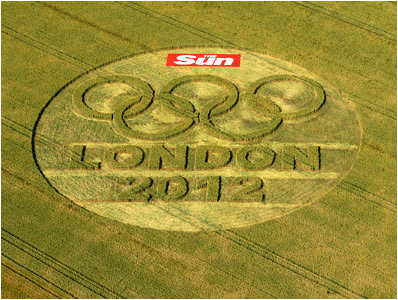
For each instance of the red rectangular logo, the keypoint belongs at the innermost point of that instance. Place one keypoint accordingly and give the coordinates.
(203, 60)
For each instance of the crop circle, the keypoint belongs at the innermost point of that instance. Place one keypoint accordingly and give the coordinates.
(196, 148)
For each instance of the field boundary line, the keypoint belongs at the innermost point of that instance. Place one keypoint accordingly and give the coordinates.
(352, 188)
(345, 19)
(58, 266)
(37, 277)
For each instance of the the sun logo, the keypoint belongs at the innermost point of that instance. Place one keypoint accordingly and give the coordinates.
(203, 60)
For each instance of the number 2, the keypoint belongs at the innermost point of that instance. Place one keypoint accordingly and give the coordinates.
(248, 192)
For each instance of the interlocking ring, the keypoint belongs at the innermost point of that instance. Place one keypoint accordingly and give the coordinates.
(314, 106)
(185, 108)
(137, 103)
(129, 106)
(133, 105)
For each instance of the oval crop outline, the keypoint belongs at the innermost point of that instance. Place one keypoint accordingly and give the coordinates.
(196, 148)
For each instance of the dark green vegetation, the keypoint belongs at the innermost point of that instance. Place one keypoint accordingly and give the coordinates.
(343, 245)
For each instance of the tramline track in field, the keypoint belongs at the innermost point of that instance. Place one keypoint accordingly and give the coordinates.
(68, 272)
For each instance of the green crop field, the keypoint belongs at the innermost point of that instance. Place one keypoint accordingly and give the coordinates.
(126, 178)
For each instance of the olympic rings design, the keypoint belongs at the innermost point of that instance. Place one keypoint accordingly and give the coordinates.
(132, 105)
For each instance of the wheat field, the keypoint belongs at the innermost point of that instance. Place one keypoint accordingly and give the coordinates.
(68, 230)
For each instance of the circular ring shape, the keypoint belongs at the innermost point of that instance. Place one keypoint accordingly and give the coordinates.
(172, 130)
(185, 108)
(81, 107)
(267, 109)
(316, 88)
